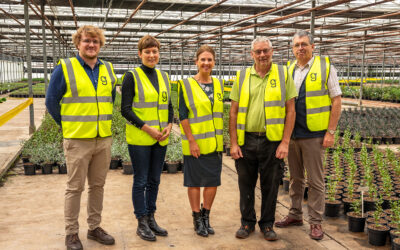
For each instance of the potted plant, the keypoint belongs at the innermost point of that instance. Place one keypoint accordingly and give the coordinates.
(173, 157)
(332, 206)
(126, 162)
(377, 232)
(116, 149)
(356, 219)
(286, 180)
(62, 166)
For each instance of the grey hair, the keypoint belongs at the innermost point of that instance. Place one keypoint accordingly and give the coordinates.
(303, 33)
(261, 39)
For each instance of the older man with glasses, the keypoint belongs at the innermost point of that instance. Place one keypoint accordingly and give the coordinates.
(318, 108)
(261, 121)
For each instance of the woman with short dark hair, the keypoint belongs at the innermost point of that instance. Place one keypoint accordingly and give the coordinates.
(146, 105)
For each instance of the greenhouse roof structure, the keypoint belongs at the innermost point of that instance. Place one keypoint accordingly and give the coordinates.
(348, 31)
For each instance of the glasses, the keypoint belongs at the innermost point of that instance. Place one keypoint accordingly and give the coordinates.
(259, 51)
(303, 45)
(91, 41)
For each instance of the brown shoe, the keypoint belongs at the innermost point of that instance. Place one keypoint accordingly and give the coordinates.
(100, 236)
(73, 242)
(287, 221)
(316, 232)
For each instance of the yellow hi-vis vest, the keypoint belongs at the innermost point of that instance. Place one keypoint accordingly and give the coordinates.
(86, 112)
(149, 106)
(205, 119)
(318, 102)
(274, 102)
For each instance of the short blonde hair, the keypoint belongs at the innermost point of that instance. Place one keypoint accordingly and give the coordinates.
(148, 42)
(90, 31)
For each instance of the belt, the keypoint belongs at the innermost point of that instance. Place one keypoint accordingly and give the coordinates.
(256, 133)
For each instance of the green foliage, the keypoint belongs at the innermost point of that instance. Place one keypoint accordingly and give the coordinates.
(378, 210)
(331, 187)
(356, 206)
(174, 149)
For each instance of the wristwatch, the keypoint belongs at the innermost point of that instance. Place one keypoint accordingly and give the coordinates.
(331, 131)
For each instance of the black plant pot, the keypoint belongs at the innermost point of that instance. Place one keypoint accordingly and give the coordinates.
(62, 168)
(369, 205)
(356, 223)
(393, 234)
(172, 167)
(25, 159)
(228, 151)
(47, 168)
(332, 208)
(377, 235)
(396, 244)
(286, 184)
(347, 205)
(29, 168)
(114, 163)
(127, 168)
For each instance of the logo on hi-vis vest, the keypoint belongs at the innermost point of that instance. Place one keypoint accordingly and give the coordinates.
(313, 76)
(273, 83)
(103, 80)
(219, 96)
(164, 96)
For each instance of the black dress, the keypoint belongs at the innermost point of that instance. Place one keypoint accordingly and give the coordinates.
(204, 171)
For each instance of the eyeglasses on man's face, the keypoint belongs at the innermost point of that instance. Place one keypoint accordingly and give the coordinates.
(301, 45)
(88, 41)
(259, 51)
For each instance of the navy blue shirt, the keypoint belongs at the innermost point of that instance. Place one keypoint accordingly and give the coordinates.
(300, 129)
(58, 87)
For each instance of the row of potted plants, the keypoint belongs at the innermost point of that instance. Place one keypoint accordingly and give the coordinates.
(382, 124)
(387, 94)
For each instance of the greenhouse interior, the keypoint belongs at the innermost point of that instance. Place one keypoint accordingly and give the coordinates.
(361, 169)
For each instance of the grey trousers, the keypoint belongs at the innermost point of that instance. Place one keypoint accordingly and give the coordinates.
(307, 154)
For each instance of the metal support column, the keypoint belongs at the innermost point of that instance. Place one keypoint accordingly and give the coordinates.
(312, 24)
(255, 29)
(59, 48)
(220, 55)
(170, 60)
(44, 51)
(362, 68)
(348, 67)
(182, 62)
(383, 68)
(29, 64)
(54, 46)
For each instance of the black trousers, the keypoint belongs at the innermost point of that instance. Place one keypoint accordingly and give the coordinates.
(259, 158)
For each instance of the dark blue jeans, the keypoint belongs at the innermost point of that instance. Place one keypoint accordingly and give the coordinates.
(147, 164)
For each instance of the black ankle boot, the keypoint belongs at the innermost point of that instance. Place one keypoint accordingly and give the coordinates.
(143, 229)
(154, 226)
(205, 213)
(199, 224)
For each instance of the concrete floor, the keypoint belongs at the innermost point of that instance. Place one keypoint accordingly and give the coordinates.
(31, 210)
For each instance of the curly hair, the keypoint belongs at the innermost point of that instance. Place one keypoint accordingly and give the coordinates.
(91, 31)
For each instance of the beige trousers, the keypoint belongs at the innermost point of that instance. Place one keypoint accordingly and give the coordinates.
(85, 158)
(307, 154)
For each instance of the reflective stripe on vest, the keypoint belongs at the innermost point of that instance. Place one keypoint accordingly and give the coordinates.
(318, 102)
(86, 112)
(205, 120)
(151, 107)
(274, 102)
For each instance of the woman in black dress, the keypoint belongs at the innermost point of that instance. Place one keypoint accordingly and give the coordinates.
(200, 111)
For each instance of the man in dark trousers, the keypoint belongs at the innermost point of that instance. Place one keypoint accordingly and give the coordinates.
(261, 122)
